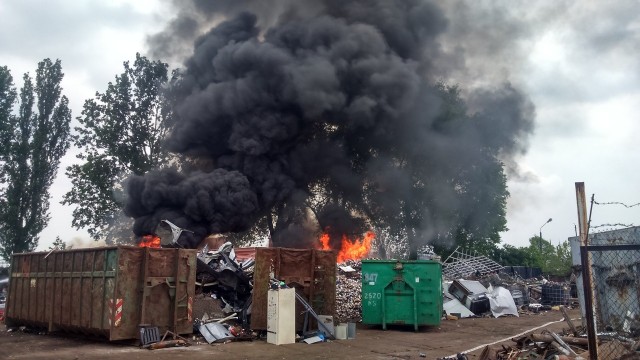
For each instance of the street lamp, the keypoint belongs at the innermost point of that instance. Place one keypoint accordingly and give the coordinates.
(548, 221)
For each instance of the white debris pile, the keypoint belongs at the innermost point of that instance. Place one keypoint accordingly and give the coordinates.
(348, 289)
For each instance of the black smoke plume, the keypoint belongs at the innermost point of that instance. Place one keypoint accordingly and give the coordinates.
(285, 97)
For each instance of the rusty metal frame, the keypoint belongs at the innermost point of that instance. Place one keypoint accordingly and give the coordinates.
(460, 264)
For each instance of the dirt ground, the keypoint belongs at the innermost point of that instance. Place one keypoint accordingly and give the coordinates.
(451, 337)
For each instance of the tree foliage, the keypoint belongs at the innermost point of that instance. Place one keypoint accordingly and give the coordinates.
(461, 201)
(59, 244)
(33, 140)
(120, 135)
(552, 260)
(509, 255)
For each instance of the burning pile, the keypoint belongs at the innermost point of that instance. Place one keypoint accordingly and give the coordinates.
(149, 241)
(350, 248)
(348, 280)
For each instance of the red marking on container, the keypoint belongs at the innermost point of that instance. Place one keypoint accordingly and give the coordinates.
(117, 314)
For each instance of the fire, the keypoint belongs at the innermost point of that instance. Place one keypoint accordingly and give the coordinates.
(150, 241)
(324, 241)
(350, 249)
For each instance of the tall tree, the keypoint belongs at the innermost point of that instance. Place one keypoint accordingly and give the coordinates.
(120, 135)
(33, 141)
(461, 195)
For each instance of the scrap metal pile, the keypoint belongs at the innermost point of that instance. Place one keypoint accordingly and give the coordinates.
(545, 345)
(219, 274)
(348, 288)
(473, 286)
(473, 282)
(570, 344)
(221, 278)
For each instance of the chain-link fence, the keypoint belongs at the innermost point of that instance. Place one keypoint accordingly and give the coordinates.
(612, 293)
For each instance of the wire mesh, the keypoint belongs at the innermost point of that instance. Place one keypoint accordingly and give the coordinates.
(463, 263)
(614, 281)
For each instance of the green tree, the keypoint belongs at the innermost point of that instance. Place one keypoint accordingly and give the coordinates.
(560, 264)
(462, 198)
(509, 255)
(33, 141)
(553, 260)
(58, 244)
(120, 135)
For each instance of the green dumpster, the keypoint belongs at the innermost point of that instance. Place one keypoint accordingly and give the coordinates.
(405, 292)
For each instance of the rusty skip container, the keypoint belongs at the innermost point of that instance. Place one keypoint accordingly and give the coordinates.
(109, 291)
(311, 272)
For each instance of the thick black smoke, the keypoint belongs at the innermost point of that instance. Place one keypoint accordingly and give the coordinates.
(205, 203)
(295, 95)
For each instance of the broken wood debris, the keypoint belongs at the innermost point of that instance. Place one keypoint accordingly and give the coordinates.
(549, 345)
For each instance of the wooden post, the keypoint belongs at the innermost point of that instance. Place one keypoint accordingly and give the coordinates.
(581, 201)
(587, 279)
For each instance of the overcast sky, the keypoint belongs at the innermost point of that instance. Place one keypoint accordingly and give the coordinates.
(578, 61)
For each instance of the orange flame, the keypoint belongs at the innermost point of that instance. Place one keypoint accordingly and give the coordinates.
(350, 249)
(324, 241)
(150, 241)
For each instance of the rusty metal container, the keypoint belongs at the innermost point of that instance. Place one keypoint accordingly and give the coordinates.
(109, 291)
(311, 272)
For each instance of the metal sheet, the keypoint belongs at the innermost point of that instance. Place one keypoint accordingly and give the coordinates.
(454, 306)
(214, 332)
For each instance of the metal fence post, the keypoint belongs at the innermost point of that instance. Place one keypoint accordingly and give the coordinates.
(588, 302)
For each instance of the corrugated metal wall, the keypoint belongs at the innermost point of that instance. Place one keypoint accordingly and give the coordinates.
(106, 291)
(311, 272)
